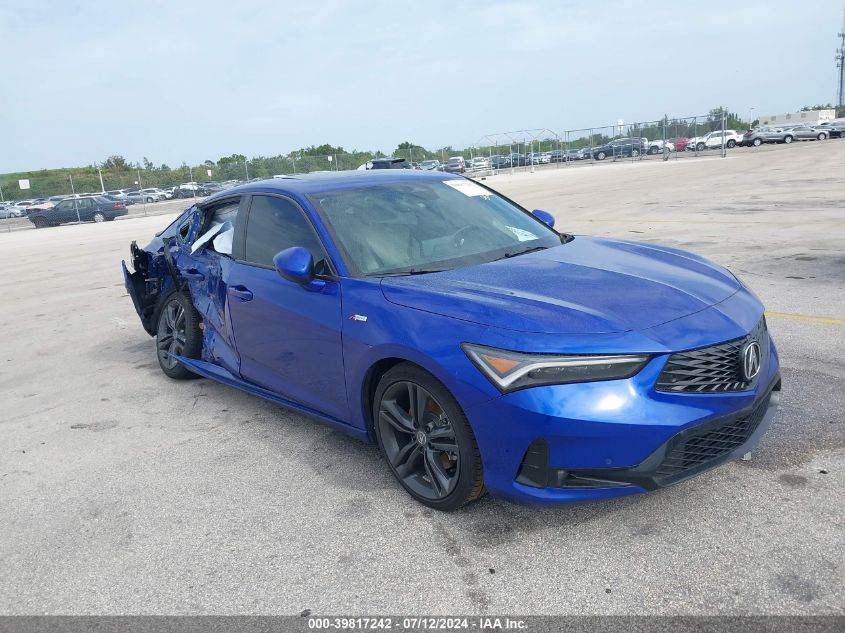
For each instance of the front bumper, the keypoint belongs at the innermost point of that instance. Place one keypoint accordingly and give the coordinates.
(593, 441)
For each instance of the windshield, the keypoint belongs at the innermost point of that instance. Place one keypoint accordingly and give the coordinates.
(416, 227)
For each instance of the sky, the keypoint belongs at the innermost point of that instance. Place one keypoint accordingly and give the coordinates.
(189, 81)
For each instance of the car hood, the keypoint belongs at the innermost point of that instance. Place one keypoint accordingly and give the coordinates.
(588, 286)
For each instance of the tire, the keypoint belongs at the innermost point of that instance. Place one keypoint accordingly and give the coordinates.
(177, 315)
(432, 452)
(601, 156)
(700, 147)
(99, 217)
(653, 150)
(731, 144)
(40, 223)
(149, 200)
(787, 139)
(757, 142)
(635, 153)
(822, 136)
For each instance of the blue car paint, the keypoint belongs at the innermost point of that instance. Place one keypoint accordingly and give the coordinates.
(312, 351)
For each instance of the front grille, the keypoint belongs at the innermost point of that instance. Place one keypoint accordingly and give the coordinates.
(699, 446)
(713, 369)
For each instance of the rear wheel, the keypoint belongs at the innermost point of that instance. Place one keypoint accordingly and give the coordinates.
(757, 142)
(149, 200)
(178, 334)
(426, 439)
(635, 153)
(40, 223)
(700, 147)
(653, 150)
(822, 136)
(787, 139)
(731, 143)
(601, 156)
(99, 217)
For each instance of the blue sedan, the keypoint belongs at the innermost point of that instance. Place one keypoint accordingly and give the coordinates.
(481, 349)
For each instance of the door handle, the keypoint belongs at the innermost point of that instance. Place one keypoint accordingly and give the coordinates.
(193, 273)
(241, 292)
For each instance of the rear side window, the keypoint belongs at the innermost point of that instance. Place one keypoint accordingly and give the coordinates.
(275, 224)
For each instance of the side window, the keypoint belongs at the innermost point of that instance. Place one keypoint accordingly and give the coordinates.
(275, 224)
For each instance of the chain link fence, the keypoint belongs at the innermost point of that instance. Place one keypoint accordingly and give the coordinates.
(155, 189)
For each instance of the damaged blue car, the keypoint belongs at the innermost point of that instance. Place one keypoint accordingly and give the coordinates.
(483, 350)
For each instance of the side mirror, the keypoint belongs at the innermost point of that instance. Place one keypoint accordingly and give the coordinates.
(296, 264)
(544, 216)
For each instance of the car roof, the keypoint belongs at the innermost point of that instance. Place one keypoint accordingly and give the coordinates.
(304, 184)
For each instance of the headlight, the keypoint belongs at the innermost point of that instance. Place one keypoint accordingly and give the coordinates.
(510, 371)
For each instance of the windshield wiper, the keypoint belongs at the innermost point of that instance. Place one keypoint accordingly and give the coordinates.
(523, 251)
(410, 271)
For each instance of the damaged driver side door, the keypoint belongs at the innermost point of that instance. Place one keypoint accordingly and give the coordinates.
(204, 265)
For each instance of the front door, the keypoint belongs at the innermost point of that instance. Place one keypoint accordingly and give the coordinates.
(288, 336)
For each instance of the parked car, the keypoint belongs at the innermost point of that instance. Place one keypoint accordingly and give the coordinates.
(390, 163)
(15, 210)
(713, 140)
(563, 368)
(429, 165)
(656, 146)
(91, 209)
(456, 165)
(500, 162)
(621, 147)
(519, 160)
(578, 153)
(481, 162)
(11, 211)
(807, 133)
(141, 196)
(538, 158)
(680, 143)
(189, 190)
(833, 131)
(161, 193)
(760, 135)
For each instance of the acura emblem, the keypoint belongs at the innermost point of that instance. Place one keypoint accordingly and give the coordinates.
(751, 360)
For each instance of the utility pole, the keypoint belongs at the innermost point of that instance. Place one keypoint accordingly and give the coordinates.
(102, 186)
(840, 63)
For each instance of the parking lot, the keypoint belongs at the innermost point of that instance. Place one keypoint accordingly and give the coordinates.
(126, 492)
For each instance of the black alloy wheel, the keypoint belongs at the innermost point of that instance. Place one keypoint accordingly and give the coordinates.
(426, 439)
(178, 334)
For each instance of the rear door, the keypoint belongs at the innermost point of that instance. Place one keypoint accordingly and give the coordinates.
(288, 336)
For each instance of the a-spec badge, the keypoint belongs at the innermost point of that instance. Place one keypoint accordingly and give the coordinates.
(357, 317)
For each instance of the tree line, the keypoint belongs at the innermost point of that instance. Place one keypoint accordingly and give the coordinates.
(119, 173)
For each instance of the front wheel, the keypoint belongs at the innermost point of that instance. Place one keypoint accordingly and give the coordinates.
(178, 334)
(635, 153)
(757, 142)
(700, 147)
(653, 150)
(731, 143)
(40, 223)
(822, 136)
(601, 156)
(787, 139)
(426, 439)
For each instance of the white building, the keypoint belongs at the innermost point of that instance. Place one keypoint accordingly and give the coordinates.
(812, 117)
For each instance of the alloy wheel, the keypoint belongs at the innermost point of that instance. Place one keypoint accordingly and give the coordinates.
(99, 217)
(170, 338)
(419, 441)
